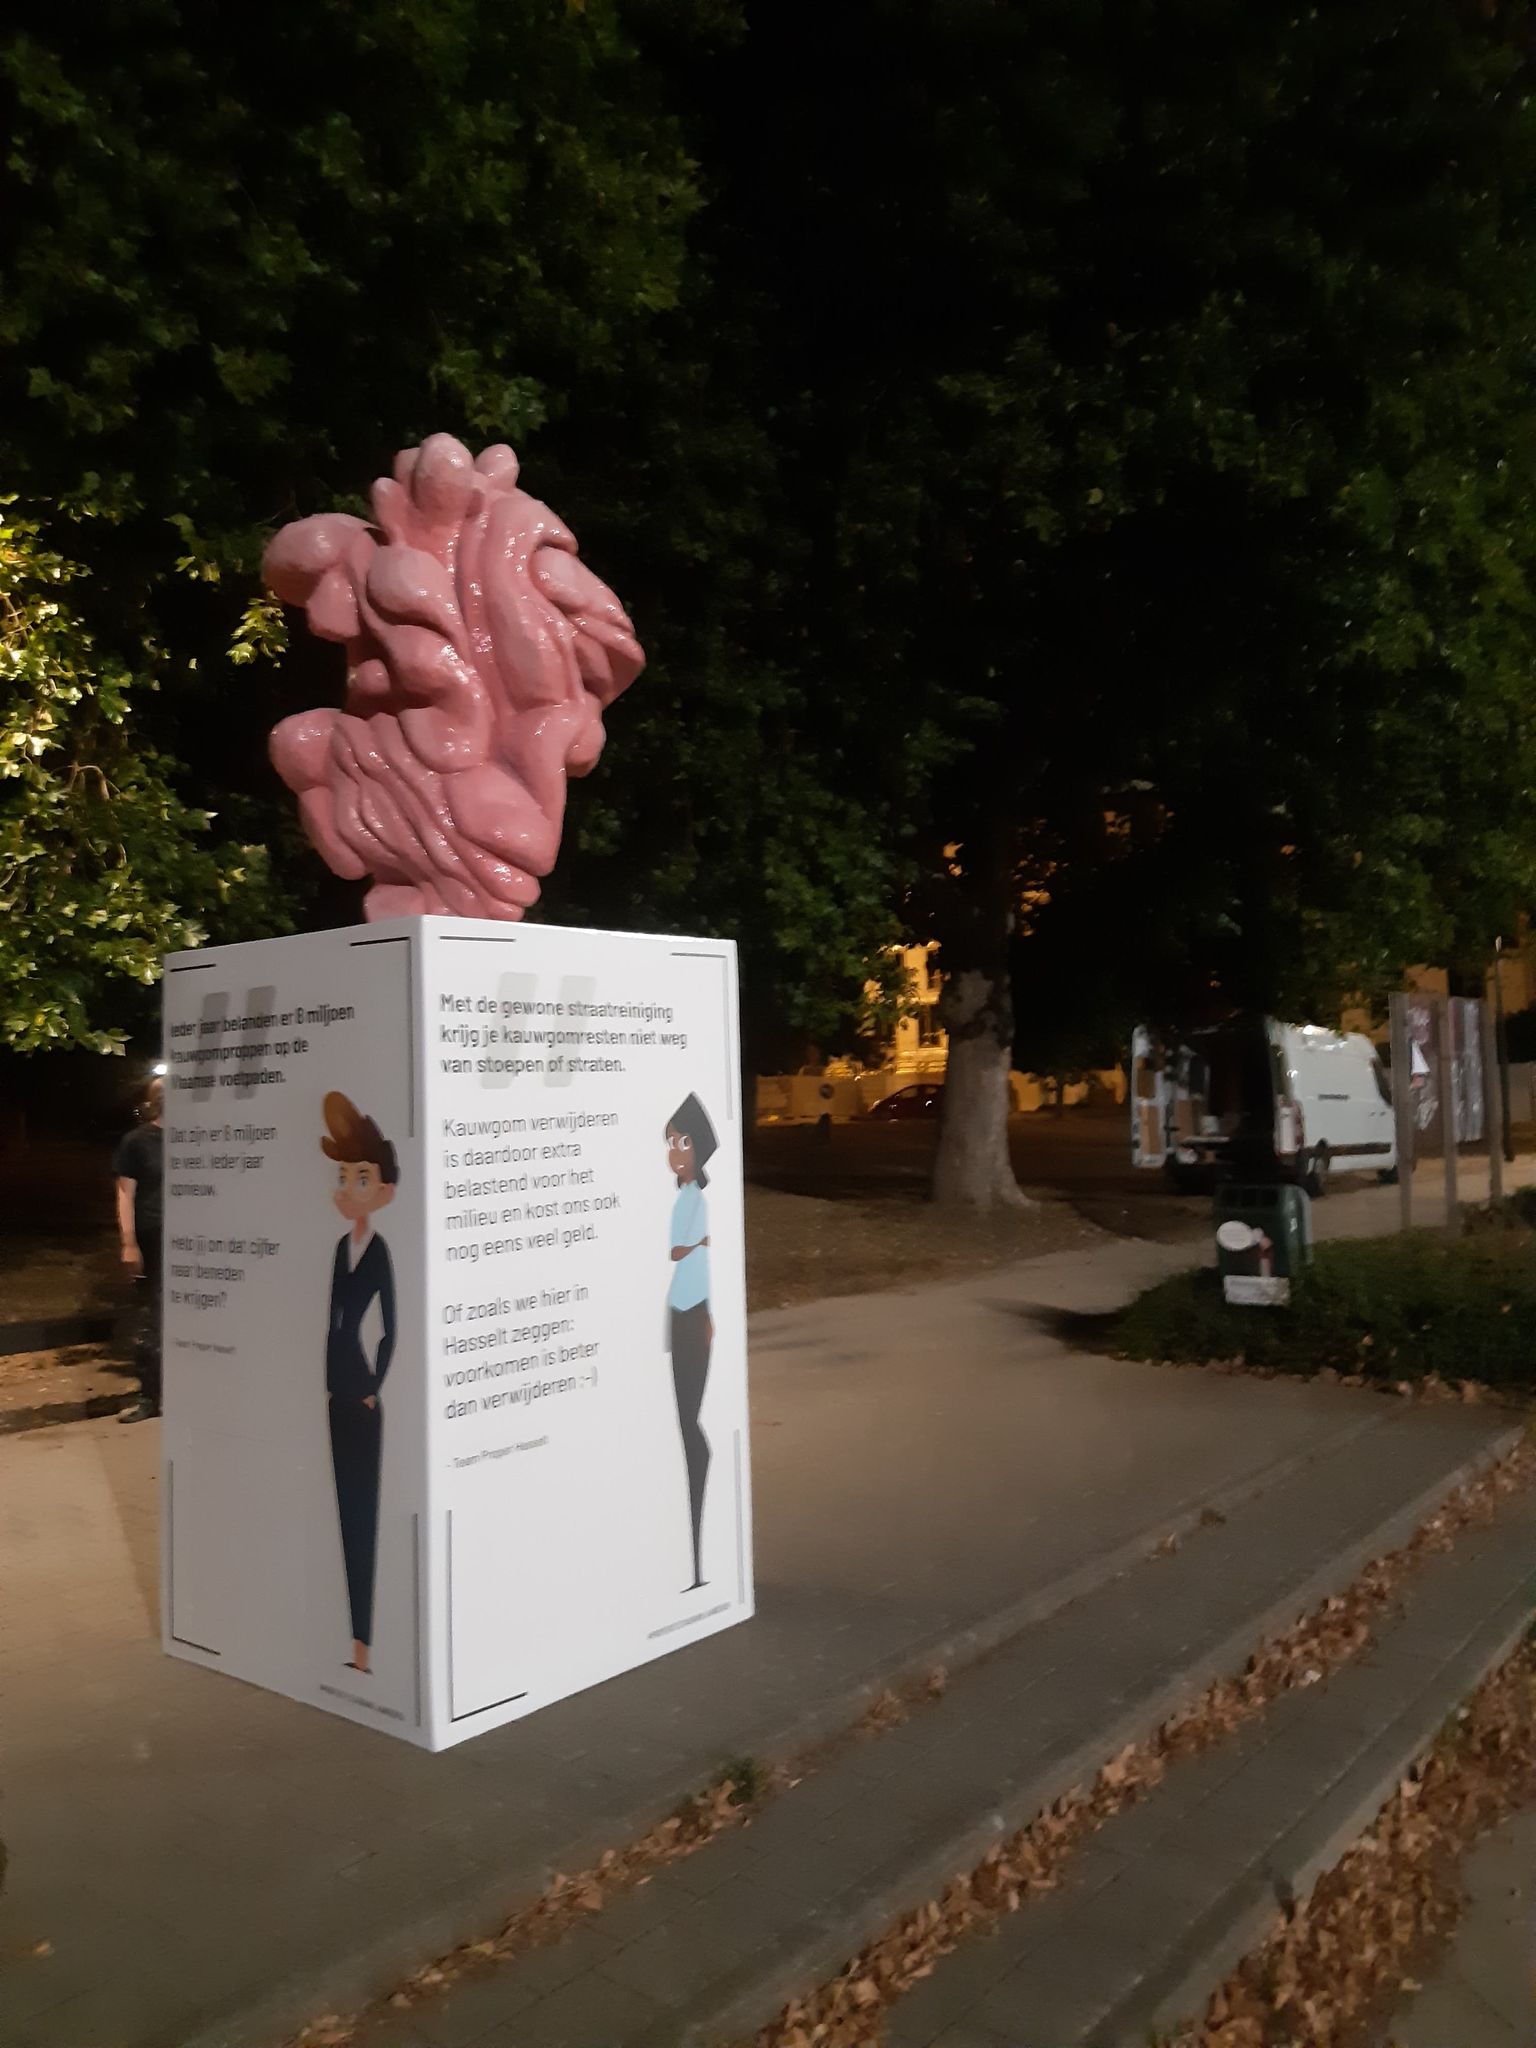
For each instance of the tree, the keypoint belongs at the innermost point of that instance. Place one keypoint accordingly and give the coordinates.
(726, 803)
(102, 866)
(1179, 479)
(243, 257)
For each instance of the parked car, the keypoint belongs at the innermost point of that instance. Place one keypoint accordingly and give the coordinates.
(918, 1098)
(1258, 1096)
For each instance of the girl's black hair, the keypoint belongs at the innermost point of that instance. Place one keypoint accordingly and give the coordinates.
(691, 1121)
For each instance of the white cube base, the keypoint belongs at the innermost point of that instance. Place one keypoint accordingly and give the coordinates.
(509, 1510)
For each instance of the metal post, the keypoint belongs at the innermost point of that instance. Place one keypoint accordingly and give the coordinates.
(1492, 1121)
(1402, 1106)
(1501, 1048)
(1448, 1108)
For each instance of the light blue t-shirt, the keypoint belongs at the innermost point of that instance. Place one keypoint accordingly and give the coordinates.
(690, 1223)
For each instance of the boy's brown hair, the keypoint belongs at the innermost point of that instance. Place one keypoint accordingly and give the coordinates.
(357, 1139)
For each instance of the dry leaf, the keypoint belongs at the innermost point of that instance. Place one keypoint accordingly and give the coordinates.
(1031, 1863)
(1397, 1889)
(841, 2014)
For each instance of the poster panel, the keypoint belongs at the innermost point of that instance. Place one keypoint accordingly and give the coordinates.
(455, 1323)
(1424, 1027)
(295, 1323)
(1436, 1024)
(587, 1431)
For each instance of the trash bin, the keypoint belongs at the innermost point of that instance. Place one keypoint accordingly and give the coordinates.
(1263, 1239)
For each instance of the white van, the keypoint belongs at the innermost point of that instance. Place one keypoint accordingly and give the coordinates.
(1255, 1096)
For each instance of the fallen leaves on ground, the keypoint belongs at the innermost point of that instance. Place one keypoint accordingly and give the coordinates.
(732, 1801)
(842, 2014)
(1429, 1388)
(565, 1902)
(1340, 1957)
(847, 2012)
(886, 1710)
(65, 1376)
(803, 1247)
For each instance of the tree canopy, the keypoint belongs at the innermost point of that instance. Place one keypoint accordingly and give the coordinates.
(245, 257)
(100, 859)
(1070, 465)
(1164, 405)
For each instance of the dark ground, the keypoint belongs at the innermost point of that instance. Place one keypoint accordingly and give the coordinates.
(1081, 1159)
(848, 1212)
(837, 1215)
(844, 1213)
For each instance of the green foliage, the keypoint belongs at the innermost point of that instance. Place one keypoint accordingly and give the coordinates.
(1516, 1212)
(1183, 471)
(103, 867)
(245, 256)
(1393, 1308)
(1125, 472)
(308, 233)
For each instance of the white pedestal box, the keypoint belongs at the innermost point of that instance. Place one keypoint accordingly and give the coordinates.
(435, 1382)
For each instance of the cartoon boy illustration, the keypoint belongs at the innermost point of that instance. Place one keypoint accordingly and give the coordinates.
(367, 1171)
(691, 1143)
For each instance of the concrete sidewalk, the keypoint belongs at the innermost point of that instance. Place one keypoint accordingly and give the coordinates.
(710, 1949)
(192, 1861)
(1164, 1902)
(1482, 1993)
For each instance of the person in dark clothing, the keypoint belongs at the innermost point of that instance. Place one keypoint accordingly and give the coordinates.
(139, 1164)
(367, 1171)
(691, 1143)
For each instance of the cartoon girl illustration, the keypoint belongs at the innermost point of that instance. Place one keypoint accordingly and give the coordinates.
(691, 1144)
(367, 1171)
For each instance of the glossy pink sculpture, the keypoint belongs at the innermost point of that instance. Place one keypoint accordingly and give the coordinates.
(481, 654)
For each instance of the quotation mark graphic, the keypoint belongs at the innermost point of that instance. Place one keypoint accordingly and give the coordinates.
(521, 988)
(259, 1002)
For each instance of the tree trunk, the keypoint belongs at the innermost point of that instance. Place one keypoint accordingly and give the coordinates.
(973, 1165)
(973, 919)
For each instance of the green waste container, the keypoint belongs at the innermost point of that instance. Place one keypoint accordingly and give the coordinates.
(1263, 1239)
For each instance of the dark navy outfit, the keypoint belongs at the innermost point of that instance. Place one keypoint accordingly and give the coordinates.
(141, 1159)
(357, 1431)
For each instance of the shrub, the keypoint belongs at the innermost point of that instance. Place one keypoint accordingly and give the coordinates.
(1516, 1211)
(1392, 1308)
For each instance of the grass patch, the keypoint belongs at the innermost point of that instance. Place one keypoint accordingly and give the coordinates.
(746, 1780)
(1395, 1308)
(1515, 1212)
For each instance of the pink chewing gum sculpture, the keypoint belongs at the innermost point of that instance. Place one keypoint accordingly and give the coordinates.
(481, 654)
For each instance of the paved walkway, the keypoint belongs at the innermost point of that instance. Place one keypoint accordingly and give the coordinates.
(203, 1862)
(711, 1948)
(1157, 1908)
(1483, 1994)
